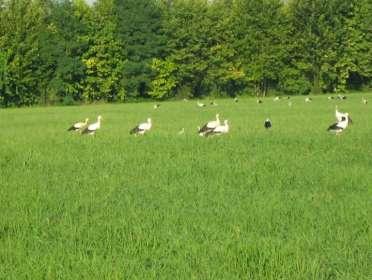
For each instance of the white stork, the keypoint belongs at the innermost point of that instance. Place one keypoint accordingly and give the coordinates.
(156, 106)
(277, 98)
(308, 99)
(219, 130)
(182, 131)
(142, 128)
(209, 126)
(92, 128)
(339, 115)
(200, 105)
(341, 97)
(339, 126)
(365, 101)
(236, 100)
(78, 126)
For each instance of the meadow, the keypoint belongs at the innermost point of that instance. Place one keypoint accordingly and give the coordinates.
(290, 203)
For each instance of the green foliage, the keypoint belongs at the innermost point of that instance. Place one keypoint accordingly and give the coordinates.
(137, 49)
(104, 60)
(165, 81)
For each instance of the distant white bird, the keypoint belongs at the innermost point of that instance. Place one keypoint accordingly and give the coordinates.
(290, 103)
(142, 128)
(209, 126)
(185, 100)
(213, 103)
(259, 101)
(339, 126)
(277, 98)
(78, 126)
(341, 97)
(92, 128)
(220, 129)
(182, 131)
(236, 100)
(268, 124)
(365, 101)
(339, 115)
(201, 105)
(156, 106)
(330, 97)
(308, 99)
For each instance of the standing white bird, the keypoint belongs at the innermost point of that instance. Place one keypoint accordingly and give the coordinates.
(339, 126)
(92, 128)
(365, 101)
(156, 106)
(209, 126)
(339, 115)
(201, 105)
(277, 98)
(308, 99)
(236, 100)
(220, 129)
(78, 126)
(330, 97)
(142, 128)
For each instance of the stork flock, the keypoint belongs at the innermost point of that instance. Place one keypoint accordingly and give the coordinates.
(213, 127)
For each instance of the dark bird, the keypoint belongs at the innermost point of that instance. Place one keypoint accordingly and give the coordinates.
(268, 124)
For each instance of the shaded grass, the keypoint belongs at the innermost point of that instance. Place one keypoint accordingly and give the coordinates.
(290, 203)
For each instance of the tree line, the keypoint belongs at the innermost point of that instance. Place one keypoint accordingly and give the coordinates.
(54, 51)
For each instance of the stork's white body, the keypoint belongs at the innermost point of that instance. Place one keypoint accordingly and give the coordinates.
(142, 128)
(209, 126)
(92, 128)
(220, 129)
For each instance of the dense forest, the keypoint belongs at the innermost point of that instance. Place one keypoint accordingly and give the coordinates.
(61, 51)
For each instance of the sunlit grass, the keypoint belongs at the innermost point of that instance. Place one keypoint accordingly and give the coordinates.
(290, 203)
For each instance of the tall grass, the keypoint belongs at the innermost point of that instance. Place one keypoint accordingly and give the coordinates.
(290, 203)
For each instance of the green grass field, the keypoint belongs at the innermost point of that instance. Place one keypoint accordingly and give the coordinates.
(291, 203)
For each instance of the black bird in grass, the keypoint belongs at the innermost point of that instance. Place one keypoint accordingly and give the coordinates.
(268, 124)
